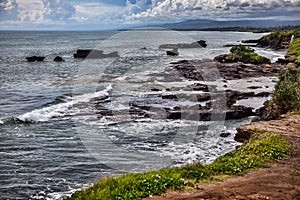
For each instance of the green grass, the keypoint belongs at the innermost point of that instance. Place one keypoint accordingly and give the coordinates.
(281, 35)
(263, 147)
(276, 38)
(294, 51)
(246, 54)
(286, 97)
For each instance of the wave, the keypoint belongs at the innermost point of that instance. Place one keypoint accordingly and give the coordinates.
(63, 109)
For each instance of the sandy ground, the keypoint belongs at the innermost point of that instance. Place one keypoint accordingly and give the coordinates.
(280, 181)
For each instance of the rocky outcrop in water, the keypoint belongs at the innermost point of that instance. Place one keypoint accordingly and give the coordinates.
(94, 53)
(173, 52)
(35, 58)
(241, 53)
(58, 59)
(197, 44)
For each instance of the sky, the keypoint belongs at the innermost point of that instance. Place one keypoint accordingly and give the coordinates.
(111, 14)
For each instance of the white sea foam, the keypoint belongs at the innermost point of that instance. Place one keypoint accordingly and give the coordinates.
(62, 109)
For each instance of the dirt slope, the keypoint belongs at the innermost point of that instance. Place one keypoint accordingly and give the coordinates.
(280, 181)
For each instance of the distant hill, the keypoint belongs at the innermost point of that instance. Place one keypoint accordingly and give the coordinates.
(198, 24)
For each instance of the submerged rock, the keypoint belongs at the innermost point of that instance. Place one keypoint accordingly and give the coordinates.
(58, 59)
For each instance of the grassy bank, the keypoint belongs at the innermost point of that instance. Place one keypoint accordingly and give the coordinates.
(293, 53)
(286, 97)
(246, 54)
(279, 40)
(263, 147)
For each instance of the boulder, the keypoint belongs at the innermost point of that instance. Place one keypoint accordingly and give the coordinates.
(58, 59)
(202, 43)
(243, 134)
(35, 58)
(222, 59)
(173, 52)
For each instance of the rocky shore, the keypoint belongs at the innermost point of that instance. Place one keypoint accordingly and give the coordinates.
(280, 180)
(201, 73)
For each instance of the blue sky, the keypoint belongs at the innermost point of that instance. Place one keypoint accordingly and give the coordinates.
(106, 14)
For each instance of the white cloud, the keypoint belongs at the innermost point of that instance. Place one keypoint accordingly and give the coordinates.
(57, 10)
(98, 13)
(172, 10)
(36, 11)
(8, 10)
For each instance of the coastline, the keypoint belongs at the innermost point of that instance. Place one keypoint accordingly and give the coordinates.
(187, 179)
(280, 180)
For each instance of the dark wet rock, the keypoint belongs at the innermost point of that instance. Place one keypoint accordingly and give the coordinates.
(254, 87)
(169, 96)
(203, 97)
(233, 96)
(197, 44)
(263, 94)
(180, 62)
(94, 53)
(58, 59)
(200, 87)
(202, 43)
(210, 71)
(239, 112)
(242, 135)
(223, 58)
(250, 41)
(35, 58)
(83, 53)
(156, 89)
(173, 52)
(264, 114)
(225, 134)
(283, 61)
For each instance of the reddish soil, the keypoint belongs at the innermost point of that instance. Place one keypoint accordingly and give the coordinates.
(280, 181)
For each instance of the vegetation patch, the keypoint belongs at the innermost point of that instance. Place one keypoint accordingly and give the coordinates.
(293, 53)
(262, 147)
(286, 97)
(246, 54)
(278, 40)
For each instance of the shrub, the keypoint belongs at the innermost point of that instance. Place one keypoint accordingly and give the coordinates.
(246, 54)
(294, 51)
(286, 97)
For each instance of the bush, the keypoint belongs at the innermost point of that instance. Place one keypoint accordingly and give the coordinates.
(286, 97)
(293, 53)
(246, 54)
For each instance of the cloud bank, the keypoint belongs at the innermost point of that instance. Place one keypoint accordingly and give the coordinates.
(110, 13)
(170, 10)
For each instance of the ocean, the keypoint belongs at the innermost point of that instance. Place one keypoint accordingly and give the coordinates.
(65, 125)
